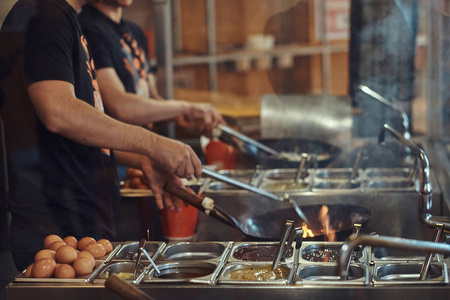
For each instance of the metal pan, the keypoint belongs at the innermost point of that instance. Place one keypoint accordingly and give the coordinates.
(326, 153)
(342, 217)
(269, 226)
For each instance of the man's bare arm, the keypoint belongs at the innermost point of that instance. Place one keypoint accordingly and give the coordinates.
(62, 113)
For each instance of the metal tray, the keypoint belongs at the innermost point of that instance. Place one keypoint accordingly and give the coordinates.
(184, 272)
(124, 269)
(82, 279)
(128, 248)
(401, 273)
(327, 274)
(269, 249)
(327, 252)
(188, 251)
(225, 275)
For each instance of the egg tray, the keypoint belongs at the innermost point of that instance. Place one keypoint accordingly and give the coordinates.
(99, 264)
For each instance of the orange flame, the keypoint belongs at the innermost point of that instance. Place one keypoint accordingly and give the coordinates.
(324, 218)
(306, 231)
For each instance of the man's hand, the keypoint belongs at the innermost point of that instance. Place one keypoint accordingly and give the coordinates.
(201, 118)
(156, 178)
(176, 157)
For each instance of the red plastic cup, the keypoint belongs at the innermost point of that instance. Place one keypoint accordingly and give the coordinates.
(221, 155)
(179, 226)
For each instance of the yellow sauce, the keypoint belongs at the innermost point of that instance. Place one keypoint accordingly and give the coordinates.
(259, 273)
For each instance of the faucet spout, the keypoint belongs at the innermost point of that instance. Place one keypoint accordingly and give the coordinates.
(388, 242)
(393, 106)
(425, 200)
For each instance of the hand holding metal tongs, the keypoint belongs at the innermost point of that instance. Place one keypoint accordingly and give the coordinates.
(140, 250)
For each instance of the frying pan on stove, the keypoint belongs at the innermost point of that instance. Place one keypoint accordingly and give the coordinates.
(270, 225)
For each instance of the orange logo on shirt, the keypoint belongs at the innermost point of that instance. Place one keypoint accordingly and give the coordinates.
(98, 102)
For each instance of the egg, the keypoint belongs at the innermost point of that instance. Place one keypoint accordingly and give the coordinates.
(66, 254)
(65, 271)
(84, 242)
(82, 266)
(29, 270)
(50, 239)
(55, 245)
(45, 253)
(106, 244)
(71, 241)
(96, 249)
(87, 255)
(43, 268)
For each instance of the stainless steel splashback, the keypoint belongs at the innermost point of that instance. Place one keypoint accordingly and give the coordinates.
(317, 117)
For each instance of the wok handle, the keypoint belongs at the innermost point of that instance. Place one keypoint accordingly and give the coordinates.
(183, 194)
(196, 201)
(125, 290)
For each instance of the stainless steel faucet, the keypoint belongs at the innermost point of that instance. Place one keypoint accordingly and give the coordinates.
(387, 242)
(425, 199)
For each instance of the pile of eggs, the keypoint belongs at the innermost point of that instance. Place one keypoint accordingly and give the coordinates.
(68, 257)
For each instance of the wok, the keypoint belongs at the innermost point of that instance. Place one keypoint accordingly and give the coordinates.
(326, 153)
(270, 225)
(342, 217)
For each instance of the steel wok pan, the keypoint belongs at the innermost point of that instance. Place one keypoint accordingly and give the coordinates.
(270, 225)
(326, 153)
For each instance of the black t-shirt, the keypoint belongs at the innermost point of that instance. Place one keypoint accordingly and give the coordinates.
(56, 185)
(120, 46)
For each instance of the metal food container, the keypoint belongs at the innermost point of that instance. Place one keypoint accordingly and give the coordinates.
(336, 185)
(254, 272)
(327, 252)
(82, 279)
(407, 273)
(129, 249)
(284, 175)
(335, 174)
(327, 274)
(184, 272)
(387, 173)
(188, 251)
(256, 252)
(386, 254)
(243, 175)
(391, 185)
(123, 269)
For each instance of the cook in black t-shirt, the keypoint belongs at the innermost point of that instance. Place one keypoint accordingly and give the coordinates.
(122, 46)
(56, 185)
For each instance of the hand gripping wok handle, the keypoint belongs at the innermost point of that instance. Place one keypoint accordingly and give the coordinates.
(196, 201)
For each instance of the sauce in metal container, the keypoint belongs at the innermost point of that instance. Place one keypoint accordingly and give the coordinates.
(322, 255)
(184, 273)
(259, 273)
(258, 253)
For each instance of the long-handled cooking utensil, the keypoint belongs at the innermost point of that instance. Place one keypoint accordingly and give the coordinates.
(247, 140)
(196, 201)
(256, 190)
